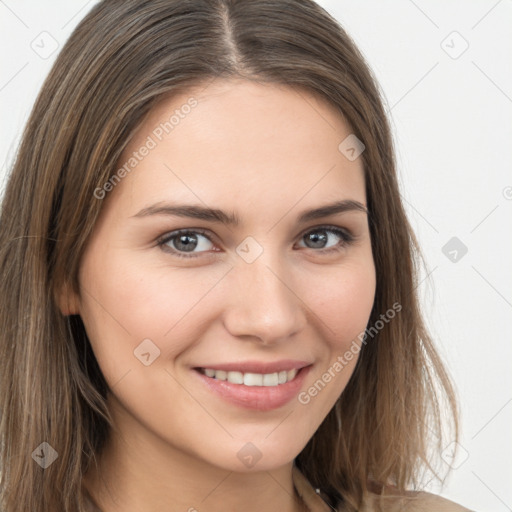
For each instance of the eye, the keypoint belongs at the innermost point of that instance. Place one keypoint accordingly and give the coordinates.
(318, 238)
(183, 242)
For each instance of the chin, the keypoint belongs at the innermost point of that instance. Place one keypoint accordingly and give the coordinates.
(263, 451)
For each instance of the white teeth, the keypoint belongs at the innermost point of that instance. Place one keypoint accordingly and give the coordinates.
(221, 375)
(291, 375)
(270, 379)
(236, 377)
(252, 379)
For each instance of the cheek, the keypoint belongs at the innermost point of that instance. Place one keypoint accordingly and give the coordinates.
(344, 301)
(125, 301)
(342, 309)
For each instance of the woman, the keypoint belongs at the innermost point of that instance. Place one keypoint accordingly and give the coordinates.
(209, 281)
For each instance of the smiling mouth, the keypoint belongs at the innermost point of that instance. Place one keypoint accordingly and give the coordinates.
(252, 390)
(251, 379)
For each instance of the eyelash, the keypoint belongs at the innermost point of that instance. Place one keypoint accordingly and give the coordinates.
(346, 239)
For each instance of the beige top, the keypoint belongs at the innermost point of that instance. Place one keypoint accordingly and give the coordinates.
(412, 502)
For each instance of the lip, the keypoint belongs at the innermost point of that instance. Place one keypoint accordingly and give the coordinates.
(258, 398)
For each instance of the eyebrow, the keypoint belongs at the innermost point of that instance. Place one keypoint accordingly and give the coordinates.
(232, 219)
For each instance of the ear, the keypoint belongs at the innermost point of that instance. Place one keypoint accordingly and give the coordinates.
(67, 301)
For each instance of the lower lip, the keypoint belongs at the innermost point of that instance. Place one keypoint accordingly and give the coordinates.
(259, 398)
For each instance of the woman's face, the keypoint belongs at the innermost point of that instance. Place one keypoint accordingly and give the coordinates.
(272, 302)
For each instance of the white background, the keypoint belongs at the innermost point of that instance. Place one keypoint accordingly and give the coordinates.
(451, 113)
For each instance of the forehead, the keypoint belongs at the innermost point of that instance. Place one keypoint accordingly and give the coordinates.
(236, 140)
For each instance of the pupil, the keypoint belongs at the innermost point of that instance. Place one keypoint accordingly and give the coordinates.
(184, 240)
(318, 239)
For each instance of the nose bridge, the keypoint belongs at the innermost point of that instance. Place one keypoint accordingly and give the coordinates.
(263, 303)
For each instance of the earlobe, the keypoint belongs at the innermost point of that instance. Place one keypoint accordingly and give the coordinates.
(67, 301)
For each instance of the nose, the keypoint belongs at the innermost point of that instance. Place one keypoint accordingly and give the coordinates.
(263, 304)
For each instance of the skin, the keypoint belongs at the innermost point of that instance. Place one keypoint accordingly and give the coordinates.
(268, 153)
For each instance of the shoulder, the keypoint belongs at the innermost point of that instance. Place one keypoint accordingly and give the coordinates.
(411, 502)
(392, 501)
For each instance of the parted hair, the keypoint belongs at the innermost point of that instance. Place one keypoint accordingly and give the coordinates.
(386, 428)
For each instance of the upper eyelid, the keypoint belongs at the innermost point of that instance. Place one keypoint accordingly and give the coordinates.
(176, 232)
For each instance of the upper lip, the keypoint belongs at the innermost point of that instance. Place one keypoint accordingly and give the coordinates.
(259, 366)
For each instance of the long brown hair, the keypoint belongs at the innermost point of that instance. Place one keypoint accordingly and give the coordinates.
(118, 63)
